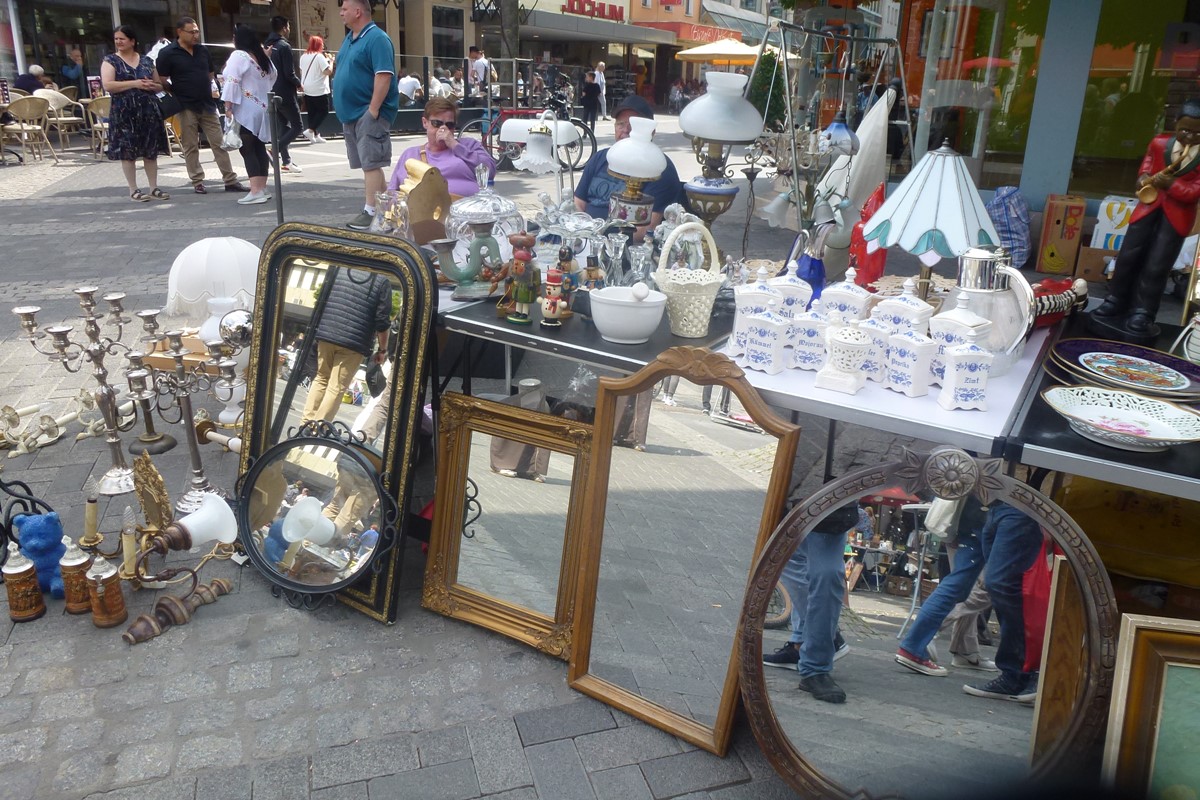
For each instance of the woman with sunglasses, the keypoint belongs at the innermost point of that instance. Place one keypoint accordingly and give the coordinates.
(455, 158)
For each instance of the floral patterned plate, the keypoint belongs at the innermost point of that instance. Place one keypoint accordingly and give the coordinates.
(1134, 372)
(1130, 366)
(1123, 419)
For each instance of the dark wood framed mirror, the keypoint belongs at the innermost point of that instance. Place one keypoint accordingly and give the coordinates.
(300, 269)
(945, 730)
(513, 573)
(675, 511)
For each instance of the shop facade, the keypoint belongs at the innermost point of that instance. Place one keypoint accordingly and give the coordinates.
(682, 18)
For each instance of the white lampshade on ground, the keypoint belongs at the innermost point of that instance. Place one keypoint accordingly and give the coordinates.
(935, 213)
(215, 267)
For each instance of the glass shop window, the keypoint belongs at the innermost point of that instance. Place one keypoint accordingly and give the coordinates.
(1145, 64)
(972, 74)
(448, 39)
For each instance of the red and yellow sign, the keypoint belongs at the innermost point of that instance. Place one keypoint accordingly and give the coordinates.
(590, 8)
(692, 33)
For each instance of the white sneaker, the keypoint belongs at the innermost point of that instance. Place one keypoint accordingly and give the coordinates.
(253, 199)
(979, 662)
(308, 136)
(319, 139)
(293, 168)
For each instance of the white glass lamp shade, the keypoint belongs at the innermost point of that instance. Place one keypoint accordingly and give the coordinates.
(637, 156)
(516, 130)
(776, 211)
(215, 267)
(538, 156)
(213, 521)
(722, 114)
(842, 140)
(306, 523)
(935, 213)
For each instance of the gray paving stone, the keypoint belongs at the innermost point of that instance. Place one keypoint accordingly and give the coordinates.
(524, 793)
(498, 756)
(453, 781)
(209, 751)
(283, 779)
(622, 783)
(169, 789)
(440, 747)
(769, 789)
(22, 746)
(144, 761)
(245, 677)
(563, 722)
(689, 772)
(363, 760)
(346, 791)
(234, 783)
(622, 746)
(558, 772)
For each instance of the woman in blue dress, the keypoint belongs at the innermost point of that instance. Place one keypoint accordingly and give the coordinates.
(135, 127)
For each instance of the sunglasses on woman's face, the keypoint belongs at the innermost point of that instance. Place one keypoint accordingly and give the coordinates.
(437, 123)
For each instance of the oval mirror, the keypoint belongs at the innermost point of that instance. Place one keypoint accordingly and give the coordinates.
(312, 515)
(921, 705)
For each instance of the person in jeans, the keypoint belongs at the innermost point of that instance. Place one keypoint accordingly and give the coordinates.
(366, 100)
(187, 69)
(353, 327)
(286, 86)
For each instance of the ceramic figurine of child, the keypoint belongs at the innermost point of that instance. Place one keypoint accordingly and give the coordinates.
(553, 301)
(524, 278)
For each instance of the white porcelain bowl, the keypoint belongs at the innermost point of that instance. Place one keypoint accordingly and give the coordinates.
(1123, 419)
(621, 317)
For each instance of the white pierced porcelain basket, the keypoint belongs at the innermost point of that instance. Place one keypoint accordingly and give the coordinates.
(690, 292)
(1123, 419)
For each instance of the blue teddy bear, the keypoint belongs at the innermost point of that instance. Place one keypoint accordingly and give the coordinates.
(41, 537)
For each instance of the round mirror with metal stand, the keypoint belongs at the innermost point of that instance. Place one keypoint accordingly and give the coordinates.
(313, 514)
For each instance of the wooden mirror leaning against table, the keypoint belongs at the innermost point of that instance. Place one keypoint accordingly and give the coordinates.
(676, 508)
(951, 714)
(329, 301)
(502, 554)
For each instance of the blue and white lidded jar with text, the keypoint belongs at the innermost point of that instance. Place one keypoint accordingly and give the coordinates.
(766, 340)
(909, 355)
(750, 299)
(950, 328)
(807, 338)
(875, 367)
(797, 294)
(966, 376)
(845, 301)
(905, 312)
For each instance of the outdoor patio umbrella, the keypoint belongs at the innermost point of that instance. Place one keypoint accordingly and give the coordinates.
(987, 61)
(728, 52)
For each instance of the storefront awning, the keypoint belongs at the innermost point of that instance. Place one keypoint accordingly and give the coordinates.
(567, 27)
(750, 24)
(689, 33)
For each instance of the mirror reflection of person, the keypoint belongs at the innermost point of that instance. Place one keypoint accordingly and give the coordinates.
(517, 459)
(352, 494)
(353, 326)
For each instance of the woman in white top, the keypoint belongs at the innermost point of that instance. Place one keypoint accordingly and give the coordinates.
(249, 78)
(315, 70)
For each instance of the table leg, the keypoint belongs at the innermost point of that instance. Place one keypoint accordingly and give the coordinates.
(831, 436)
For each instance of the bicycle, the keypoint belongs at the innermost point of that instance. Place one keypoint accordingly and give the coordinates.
(573, 154)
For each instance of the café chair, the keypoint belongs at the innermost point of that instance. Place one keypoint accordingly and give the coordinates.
(31, 119)
(66, 115)
(99, 110)
(15, 92)
(72, 92)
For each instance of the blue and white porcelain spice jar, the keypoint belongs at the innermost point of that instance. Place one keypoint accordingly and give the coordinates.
(966, 376)
(797, 294)
(766, 342)
(905, 312)
(950, 329)
(909, 356)
(807, 339)
(875, 367)
(750, 299)
(845, 301)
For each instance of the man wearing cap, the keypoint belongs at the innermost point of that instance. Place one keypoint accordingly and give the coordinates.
(596, 185)
(30, 81)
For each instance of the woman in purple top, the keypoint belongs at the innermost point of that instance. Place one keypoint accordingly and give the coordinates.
(455, 158)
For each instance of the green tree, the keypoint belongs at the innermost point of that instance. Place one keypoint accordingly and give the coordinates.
(766, 90)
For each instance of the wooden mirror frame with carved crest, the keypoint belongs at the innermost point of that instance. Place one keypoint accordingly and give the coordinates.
(407, 265)
(460, 416)
(950, 473)
(704, 368)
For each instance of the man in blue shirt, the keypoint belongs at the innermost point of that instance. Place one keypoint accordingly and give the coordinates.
(596, 185)
(366, 100)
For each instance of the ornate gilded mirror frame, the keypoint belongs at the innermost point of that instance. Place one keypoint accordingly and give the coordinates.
(704, 368)
(460, 417)
(949, 473)
(403, 262)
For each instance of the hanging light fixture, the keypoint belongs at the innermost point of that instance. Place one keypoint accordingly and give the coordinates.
(775, 212)
(840, 140)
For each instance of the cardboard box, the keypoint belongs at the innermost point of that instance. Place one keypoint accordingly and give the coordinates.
(1112, 221)
(1062, 234)
(1091, 263)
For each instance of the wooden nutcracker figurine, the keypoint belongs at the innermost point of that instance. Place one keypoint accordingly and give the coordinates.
(524, 278)
(553, 303)
(593, 276)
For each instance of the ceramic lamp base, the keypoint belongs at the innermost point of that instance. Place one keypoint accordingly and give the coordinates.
(710, 199)
(634, 210)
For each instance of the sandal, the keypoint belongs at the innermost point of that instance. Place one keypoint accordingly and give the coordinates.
(138, 196)
(159, 194)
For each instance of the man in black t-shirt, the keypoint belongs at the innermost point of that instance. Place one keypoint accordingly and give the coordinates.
(186, 68)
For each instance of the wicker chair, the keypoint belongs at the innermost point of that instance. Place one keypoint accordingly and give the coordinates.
(15, 92)
(32, 118)
(99, 111)
(66, 116)
(72, 92)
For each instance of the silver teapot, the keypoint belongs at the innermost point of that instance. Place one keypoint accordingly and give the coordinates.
(1001, 294)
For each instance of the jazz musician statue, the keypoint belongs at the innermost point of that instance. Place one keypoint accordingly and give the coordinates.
(1168, 188)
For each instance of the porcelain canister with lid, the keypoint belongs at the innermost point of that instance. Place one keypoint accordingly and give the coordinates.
(848, 349)
(966, 376)
(904, 312)
(807, 338)
(845, 301)
(797, 294)
(909, 355)
(876, 363)
(766, 338)
(950, 329)
(750, 299)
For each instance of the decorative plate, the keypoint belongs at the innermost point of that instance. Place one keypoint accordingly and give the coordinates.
(1134, 372)
(1123, 419)
(1079, 374)
(1072, 351)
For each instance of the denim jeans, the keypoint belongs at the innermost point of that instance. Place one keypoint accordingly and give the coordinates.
(951, 590)
(1011, 541)
(815, 580)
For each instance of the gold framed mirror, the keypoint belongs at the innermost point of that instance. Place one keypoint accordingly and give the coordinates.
(512, 573)
(675, 510)
(942, 719)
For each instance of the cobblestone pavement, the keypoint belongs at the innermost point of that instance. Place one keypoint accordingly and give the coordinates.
(254, 699)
